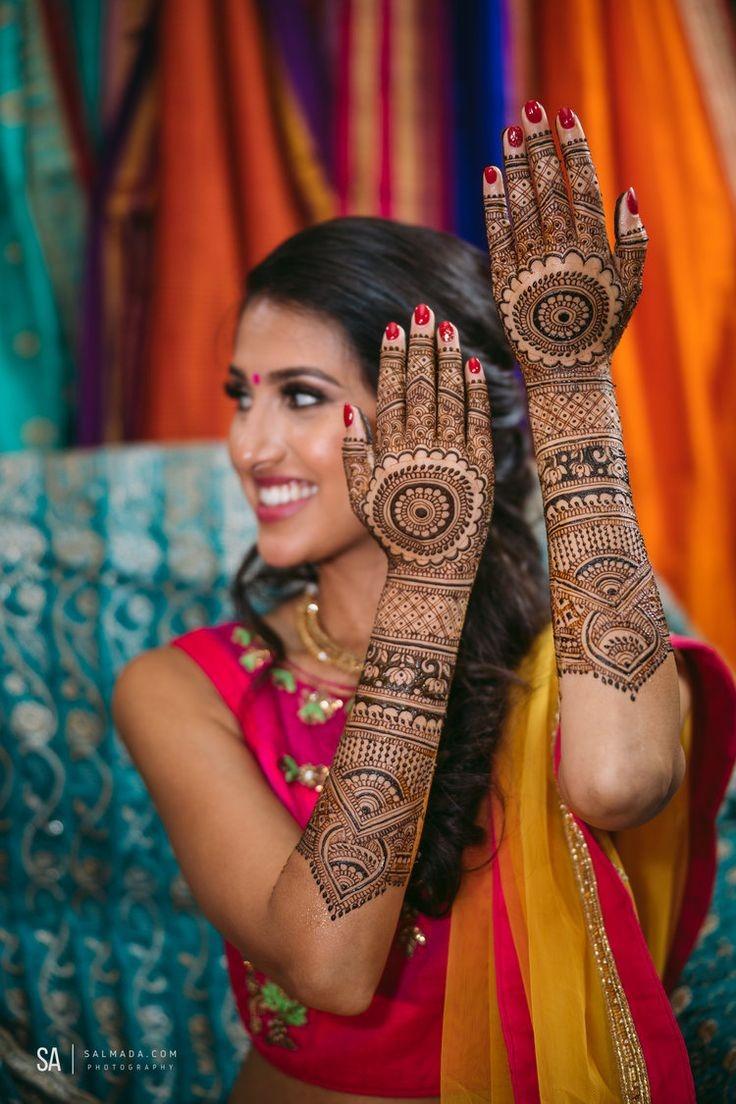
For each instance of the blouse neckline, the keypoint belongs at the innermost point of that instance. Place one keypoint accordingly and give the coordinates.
(323, 683)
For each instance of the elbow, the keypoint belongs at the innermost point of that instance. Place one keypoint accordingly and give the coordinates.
(310, 981)
(327, 992)
(617, 801)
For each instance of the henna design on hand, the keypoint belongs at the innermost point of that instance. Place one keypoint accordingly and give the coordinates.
(564, 299)
(424, 489)
(606, 610)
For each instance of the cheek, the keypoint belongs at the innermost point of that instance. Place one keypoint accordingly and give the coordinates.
(236, 441)
(322, 453)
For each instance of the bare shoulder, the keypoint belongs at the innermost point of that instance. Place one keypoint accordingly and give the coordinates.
(167, 678)
(230, 833)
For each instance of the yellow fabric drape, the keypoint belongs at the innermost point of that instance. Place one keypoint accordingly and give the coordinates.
(559, 960)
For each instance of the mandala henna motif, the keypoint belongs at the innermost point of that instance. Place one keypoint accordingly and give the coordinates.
(424, 489)
(562, 311)
(425, 508)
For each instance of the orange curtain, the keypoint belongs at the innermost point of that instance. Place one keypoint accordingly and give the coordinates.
(226, 199)
(629, 71)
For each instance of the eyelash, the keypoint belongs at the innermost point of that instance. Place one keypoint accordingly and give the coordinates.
(235, 391)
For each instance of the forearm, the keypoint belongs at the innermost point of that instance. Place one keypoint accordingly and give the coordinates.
(614, 657)
(341, 892)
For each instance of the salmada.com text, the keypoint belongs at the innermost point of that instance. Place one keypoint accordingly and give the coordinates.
(132, 1060)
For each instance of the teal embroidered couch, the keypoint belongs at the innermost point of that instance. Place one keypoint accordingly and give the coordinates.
(105, 553)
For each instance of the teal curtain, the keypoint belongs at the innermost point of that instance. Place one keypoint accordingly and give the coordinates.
(42, 216)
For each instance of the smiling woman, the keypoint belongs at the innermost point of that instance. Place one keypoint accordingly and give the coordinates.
(288, 427)
(373, 800)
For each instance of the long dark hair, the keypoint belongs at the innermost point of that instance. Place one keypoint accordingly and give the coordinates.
(360, 273)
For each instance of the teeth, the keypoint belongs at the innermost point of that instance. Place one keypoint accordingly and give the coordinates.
(285, 492)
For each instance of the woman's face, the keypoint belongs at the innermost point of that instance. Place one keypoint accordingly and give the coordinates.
(291, 375)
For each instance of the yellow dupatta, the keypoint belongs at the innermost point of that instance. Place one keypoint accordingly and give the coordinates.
(565, 912)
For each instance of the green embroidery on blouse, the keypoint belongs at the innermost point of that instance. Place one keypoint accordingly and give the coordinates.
(254, 654)
(271, 1011)
(284, 679)
(312, 775)
(311, 711)
(275, 1000)
(290, 767)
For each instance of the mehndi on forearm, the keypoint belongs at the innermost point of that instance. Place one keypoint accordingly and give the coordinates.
(606, 611)
(364, 831)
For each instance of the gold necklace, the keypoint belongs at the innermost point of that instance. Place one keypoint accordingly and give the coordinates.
(317, 642)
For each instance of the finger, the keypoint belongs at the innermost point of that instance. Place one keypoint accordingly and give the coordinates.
(498, 230)
(357, 457)
(450, 388)
(587, 204)
(478, 427)
(420, 380)
(525, 224)
(558, 229)
(631, 247)
(390, 401)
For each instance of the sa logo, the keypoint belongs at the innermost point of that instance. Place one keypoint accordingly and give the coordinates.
(47, 1058)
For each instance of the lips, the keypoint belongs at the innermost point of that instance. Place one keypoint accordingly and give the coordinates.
(280, 497)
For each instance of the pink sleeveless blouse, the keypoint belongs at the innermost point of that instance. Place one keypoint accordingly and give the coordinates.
(292, 727)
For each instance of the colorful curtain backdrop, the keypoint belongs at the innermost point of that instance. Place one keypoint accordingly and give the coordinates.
(152, 150)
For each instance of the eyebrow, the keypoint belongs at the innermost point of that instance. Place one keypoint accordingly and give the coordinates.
(281, 374)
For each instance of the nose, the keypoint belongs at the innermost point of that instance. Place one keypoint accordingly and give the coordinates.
(256, 445)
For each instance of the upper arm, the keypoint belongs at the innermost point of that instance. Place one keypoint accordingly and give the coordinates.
(591, 800)
(230, 834)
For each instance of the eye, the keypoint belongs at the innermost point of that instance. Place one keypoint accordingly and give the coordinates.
(300, 395)
(234, 391)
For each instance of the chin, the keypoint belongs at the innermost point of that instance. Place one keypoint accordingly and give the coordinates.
(284, 554)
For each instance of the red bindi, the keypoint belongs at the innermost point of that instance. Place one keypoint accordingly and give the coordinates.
(256, 377)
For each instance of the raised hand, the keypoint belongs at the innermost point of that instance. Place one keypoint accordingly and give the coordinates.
(564, 297)
(424, 489)
(424, 486)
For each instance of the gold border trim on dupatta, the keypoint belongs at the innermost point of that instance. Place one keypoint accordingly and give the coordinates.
(633, 1075)
(632, 1068)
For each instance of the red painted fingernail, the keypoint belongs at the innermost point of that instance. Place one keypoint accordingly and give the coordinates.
(632, 202)
(533, 111)
(347, 414)
(421, 314)
(515, 135)
(447, 331)
(474, 365)
(392, 331)
(490, 173)
(566, 117)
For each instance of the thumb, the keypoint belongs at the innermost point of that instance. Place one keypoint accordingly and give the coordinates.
(357, 457)
(631, 247)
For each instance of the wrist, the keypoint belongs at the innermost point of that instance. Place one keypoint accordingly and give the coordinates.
(422, 610)
(599, 371)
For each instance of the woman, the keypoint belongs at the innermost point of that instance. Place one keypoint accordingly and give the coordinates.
(421, 893)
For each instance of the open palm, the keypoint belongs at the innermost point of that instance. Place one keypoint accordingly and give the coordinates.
(563, 295)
